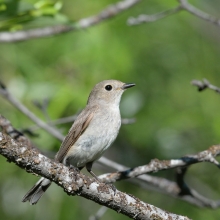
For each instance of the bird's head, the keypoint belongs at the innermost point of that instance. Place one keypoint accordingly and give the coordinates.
(108, 92)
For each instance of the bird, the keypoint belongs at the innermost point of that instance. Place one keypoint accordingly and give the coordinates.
(91, 134)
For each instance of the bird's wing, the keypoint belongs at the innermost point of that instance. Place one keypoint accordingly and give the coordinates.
(77, 129)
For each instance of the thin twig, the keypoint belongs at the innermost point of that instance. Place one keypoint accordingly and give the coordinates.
(107, 13)
(59, 121)
(179, 190)
(204, 84)
(5, 93)
(71, 119)
(183, 5)
(152, 18)
(43, 105)
(198, 13)
(186, 191)
(99, 213)
(157, 165)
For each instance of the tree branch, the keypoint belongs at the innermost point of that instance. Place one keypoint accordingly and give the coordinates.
(71, 119)
(204, 84)
(183, 5)
(198, 13)
(180, 189)
(75, 183)
(154, 17)
(161, 185)
(6, 94)
(157, 165)
(107, 13)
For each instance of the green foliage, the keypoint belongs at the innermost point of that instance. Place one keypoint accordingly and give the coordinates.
(17, 14)
(162, 58)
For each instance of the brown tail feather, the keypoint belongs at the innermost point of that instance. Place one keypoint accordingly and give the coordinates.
(35, 193)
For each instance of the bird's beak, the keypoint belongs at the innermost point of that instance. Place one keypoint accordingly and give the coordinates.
(127, 85)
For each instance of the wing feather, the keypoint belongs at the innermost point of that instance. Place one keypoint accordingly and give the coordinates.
(77, 129)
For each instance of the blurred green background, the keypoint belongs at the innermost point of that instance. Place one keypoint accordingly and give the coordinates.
(172, 118)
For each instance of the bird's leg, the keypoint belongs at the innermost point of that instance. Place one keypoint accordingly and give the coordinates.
(89, 169)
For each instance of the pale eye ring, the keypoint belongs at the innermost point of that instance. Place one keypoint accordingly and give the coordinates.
(108, 87)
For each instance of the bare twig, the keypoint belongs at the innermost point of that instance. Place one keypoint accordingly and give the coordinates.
(59, 121)
(43, 105)
(204, 84)
(64, 120)
(99, 213)
(127, 121)
(75, 183)
(151, 18)
(186, 191)
(157, 165)
(183, 5)
(180, 189)
(5, 93)
(159, 184)
(107, 13)
(70, 119)
(198, 13)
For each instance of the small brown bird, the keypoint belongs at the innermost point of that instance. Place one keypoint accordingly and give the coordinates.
(93, 131)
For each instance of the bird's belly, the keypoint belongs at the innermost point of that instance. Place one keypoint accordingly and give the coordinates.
(89, 149)
(95, 140)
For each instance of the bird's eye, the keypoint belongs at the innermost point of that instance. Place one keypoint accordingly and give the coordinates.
(108, 87)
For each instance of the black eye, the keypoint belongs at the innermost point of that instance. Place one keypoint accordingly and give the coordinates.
(108, 87)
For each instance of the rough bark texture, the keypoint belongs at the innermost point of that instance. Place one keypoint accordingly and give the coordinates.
(75, 183)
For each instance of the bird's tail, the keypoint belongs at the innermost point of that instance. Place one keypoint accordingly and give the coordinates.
(35, 193)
